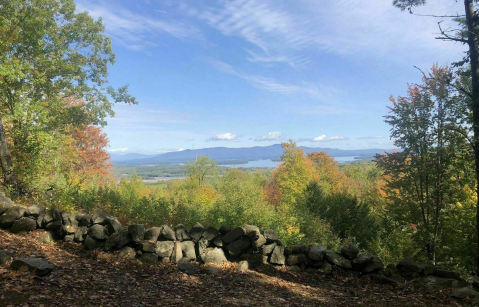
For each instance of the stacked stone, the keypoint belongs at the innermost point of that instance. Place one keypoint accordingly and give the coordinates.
(247, 245)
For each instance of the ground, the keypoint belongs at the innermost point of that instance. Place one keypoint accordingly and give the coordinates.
(96, 278)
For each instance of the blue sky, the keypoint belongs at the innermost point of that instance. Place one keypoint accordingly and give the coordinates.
(243, 73)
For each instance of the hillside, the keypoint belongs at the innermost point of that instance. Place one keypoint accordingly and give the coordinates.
(96, 278)
(272, 152)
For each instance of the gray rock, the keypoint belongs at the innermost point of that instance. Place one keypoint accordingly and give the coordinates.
(391, 270)
(113, 225)
(68, 238)
(148, 247)
(118, 239)
(81, 233)
(294, 268)
(252, 232)
(317, 252)
(202, 245)
(296, 249)
(210, 233)
(446, 274)
(99, 217)
(186, 267)
(24, 224)
(270, 235)
(164, 248)
(152, 234)
(34, 210)
(91, 244)
(326, 268)
(268, 249)
(9, 216)
(85, 220)
(463, 293)
(40, 220)
(296, 259)
(126, 252)
(4, 257)
(69, 229)
(214, 255)
(47, 238)
(54, 225)
(137, 232)
(71, 221)
(350, 251)
(188, 249)
(474, 281)
(428, 269)
(236, 248)
(435, 284)
(97, 232)
(56, 214)
(224, 230)
(234, 235)
(48, 217)
(197, 231)
(177, 253)
(40, 266)
(260, 241)
(338, 260)
(181, 233)
(408, 267)
(65, 216)
(277, 257)
(218, 242)
(242, 266)
(167, 233)
(151, 258)
(211, 270)
(5, 203)
(361, 261)
(374, 266)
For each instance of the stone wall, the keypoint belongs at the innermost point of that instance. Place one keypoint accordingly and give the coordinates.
(248, 245)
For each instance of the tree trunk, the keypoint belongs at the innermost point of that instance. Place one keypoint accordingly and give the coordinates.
(9, 178)
(474, 58)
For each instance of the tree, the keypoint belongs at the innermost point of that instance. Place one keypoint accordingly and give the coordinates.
(423, 178)
(468, 35)
(49, 53)
(199, 169)
(330, 177)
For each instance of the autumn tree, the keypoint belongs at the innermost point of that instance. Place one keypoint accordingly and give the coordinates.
(330, 177)
(49, 53)
(199, 169)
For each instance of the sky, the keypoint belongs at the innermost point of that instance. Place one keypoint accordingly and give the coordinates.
(243, 73)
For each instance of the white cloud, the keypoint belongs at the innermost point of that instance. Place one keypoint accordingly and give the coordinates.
(272, 136)
(224, 137)
(336, 138)
(371, 137)
(119, 150)
(135, 31)
(165, 150)
(319, 138)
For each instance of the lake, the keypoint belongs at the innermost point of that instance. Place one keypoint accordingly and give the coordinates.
(272, 164)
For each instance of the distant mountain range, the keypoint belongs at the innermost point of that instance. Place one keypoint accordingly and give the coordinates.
(272, 152)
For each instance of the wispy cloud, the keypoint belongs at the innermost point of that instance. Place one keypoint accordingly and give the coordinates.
(136, 31)
(166, 150)
(224, 137)
(119, 150)
(371, 137)
(272, 136)
(322, 138)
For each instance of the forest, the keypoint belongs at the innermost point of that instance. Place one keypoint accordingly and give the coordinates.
(420, 200)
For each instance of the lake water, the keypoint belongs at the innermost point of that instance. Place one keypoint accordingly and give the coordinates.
(272, 164)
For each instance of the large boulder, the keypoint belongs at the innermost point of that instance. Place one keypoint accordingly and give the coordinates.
(277, 257)
(463, 293)
(252, 232)
(164, 248)
(214, 255)
(197, 231)
(296, 249)
(181, 233)
(270, 235)
(24, 224)
(296, 259)
(113, 225)
(99, 217)
(9, 216)
(151, 258)
(177, 253)
(5, 256)
(97, 232)
(374, 265)
(436, 284)
(167, 233)
(338, 260)
(236, 248)
(446, 274)
(91, 244)
(40, 266)
(48, 237)
(81, 233)
(224, 230)
(268, 249)
(118, 239)
(148, 247)
(260, 241)
(54, 225)
(233, 235)
(218, 242)
(69, 229)
(317, 252)
(408, 267)
(84, 220)
(350, 251)
(137, 232)
(361, 261)
(186, 267)
(188, 249)
(126, 252)
(5, 203)
(201, 245)
(34, 210)
(152, 234)
(210, 233)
